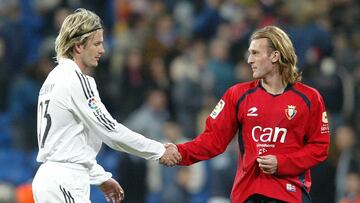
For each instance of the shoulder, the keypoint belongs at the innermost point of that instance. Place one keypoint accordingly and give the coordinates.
(63, 72)
(309, 94)
(240, 89)
(308, 91)
(67, 78)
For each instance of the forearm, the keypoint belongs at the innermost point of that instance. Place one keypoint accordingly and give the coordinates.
(98, 175)
(123, 139)
(197, 150)
(294, 164)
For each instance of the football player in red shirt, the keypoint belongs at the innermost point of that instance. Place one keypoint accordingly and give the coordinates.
(282, 124)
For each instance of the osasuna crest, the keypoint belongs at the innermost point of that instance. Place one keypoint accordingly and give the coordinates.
(290, 112)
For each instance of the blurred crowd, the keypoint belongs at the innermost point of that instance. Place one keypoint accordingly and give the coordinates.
(167, 63)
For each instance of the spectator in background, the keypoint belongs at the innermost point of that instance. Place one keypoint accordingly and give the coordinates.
(346, 143)
(327, 81)
(163, 41)
(242, 72)
(223, 170)
(184, 16)
(132, 79)
(15, 32)
(343, 54)
(4, 76)
(356, 77)
(352, 191)
(321, 174)
(150, 116)
(7, 193)
(207, 20)
(132, 171)
(192, 84)
(148, 119)
(23, 103)
(158, 75)
(220, 67)
(52, 17)
(177, 184)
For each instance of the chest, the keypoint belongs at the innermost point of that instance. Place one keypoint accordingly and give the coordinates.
(262, 109)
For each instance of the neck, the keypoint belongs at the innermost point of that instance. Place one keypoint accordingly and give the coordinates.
(82, 67)
(273, 86)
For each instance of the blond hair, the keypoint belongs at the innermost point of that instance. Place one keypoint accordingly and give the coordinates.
(279, 41)
(76, 28)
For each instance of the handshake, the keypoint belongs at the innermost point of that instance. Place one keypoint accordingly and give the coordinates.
(171, 157)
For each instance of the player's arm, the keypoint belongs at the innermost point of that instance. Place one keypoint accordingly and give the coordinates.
(88, 106)
(317, 143)
(98, 175)
(110, 187)
(221, 126)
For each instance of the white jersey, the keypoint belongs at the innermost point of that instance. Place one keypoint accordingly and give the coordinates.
(73, 123)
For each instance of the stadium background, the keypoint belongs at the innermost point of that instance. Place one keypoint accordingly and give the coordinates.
(167, 62)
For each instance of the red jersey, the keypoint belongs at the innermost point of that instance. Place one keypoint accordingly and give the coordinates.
(293, 126)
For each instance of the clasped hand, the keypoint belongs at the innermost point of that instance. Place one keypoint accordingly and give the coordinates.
(171, 156)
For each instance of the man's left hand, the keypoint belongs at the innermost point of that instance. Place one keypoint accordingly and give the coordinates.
(112, 190)
(268, 164)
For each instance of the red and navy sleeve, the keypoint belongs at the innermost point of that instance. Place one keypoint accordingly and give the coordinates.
(221, 126)
(317, 140)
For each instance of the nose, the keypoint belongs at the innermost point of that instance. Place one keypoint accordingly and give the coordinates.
(250, 59)
(102, 49)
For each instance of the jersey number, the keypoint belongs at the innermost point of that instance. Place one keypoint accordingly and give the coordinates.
(44, 114)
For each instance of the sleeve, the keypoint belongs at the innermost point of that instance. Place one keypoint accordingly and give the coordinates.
(98, 175)
(317, 143)
(92, 112)
(221, 126)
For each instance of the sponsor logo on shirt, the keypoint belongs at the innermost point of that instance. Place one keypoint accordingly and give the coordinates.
(262, 150)
(325, 124)
(324, 117)
(252, 111)
(266, 135)
(290, 187)
(218, 108)
(290, 112)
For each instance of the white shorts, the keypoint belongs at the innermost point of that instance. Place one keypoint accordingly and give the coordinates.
(61, 182)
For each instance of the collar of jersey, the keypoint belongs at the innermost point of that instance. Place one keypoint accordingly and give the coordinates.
(70, 63)
(288, 87)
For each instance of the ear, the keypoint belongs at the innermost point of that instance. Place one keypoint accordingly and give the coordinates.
(77, 47)
(275, 56)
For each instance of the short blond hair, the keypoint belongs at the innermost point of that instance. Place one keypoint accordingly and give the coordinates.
(278, 40)
(76, 28)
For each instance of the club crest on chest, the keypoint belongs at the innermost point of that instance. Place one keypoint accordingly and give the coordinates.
(290, 112)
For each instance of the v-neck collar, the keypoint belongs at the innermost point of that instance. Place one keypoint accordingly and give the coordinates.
(288, 87)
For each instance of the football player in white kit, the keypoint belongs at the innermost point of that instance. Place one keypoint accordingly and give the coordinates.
(73, 122)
